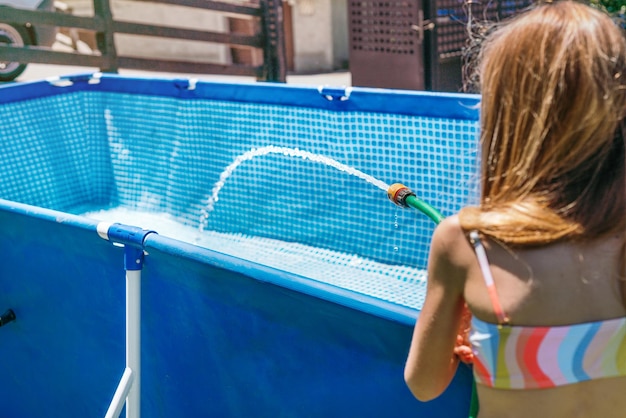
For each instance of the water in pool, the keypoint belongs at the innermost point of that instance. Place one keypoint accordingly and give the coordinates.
(402, 285)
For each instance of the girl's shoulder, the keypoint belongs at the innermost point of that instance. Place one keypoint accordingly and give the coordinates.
(451, 241)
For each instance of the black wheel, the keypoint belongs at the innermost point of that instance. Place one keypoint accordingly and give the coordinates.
(17, 36)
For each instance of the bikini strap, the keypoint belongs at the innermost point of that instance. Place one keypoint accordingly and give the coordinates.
(481, 255)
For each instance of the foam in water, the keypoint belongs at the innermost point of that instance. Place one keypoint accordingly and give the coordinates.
(402, 285)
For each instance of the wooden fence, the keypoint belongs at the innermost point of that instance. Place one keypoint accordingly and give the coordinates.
(267, 36)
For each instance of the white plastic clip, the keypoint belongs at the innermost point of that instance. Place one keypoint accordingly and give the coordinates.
(335, 93)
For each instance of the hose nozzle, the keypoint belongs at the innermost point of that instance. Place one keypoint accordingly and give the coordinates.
(404, 197)
(398, 193)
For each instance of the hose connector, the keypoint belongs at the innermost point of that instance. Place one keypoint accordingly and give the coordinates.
(404, 197)
(398, 193)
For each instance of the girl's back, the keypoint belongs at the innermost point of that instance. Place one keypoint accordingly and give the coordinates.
(552, 286)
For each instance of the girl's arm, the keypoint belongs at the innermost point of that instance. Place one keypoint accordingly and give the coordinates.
(431, 363)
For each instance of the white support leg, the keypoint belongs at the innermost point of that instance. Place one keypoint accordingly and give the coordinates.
(115, 408)
(129, 388)
(133, 341)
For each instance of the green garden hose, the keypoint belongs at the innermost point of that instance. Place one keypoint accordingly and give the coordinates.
(404, 197)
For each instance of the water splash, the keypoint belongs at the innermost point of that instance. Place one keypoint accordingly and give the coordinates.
(289, 152)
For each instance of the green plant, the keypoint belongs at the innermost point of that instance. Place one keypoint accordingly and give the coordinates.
(611, 6)
(615, 8)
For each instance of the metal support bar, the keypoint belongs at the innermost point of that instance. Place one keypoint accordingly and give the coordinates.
(120, 394)
(274, 55)
(128, 391)
(106, 39)
(133, 341)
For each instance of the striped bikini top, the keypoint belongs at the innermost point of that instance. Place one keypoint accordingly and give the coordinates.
(524, 357)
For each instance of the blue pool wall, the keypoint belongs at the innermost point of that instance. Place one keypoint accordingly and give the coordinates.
(158, 145)
(221, 335)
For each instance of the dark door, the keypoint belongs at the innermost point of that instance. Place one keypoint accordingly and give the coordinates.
(386, 43)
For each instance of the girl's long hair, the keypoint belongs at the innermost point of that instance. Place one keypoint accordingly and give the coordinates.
(553, 85)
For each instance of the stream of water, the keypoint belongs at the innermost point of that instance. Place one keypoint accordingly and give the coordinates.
(288, 152)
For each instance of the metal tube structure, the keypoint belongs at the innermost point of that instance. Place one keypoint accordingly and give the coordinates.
(133, 341)
(119, 398)
(128, 391)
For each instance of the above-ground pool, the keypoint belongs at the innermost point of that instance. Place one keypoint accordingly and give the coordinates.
(277, 279)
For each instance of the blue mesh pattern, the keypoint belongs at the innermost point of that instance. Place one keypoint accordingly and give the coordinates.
(50, 157)
(87, 150)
